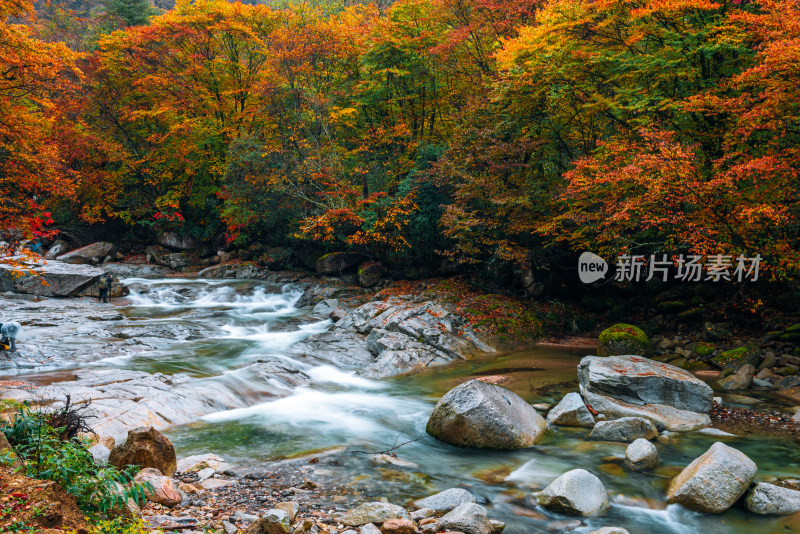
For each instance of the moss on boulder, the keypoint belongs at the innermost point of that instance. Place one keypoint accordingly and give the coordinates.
(735, 358)
(622, 339)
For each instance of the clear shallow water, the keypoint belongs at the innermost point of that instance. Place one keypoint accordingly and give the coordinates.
(230, 325)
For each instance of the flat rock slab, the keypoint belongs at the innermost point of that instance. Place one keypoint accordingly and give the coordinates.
(53, 279)
(663, 416)
(641, 381)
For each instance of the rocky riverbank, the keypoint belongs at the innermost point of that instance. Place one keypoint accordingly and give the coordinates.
(384, 331)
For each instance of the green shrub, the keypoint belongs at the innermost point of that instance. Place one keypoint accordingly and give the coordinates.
(50, 454)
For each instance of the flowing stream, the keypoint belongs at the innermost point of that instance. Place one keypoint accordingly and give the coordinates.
(241, 322)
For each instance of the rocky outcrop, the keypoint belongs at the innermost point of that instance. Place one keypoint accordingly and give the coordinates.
(94, 253)
(393, 336)
(54, 279)
(571, 411)
(642, 381)
(146, 447)
(714, 481)
(445, 500)
(174, 241)
(624, 339)
(480, 415)
(641, 454)
(767, 499)
(626, 429)
(576, 492)
(337, 262)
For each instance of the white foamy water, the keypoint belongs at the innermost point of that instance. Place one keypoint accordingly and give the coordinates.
(356, 414)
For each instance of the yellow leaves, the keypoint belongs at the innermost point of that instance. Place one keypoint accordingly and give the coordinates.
(343, 116)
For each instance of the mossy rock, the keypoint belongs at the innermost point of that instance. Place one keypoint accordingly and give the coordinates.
(624, 339)
(703, 348)
(735, 358)
(791, 333)
(697, 366)
(725, 373)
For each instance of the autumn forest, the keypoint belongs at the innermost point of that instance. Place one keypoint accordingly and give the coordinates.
(471, 132)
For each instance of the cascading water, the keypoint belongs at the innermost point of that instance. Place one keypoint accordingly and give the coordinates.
(234, 336)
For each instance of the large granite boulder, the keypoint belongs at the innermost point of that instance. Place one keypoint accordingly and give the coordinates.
(624, 339)
(54, 279)
(481, 415)
(663, 416)
(146, 447)
(626, 430)
(571, 411)
(714, 481)
(174, 241)
(96, 252)
(337, 262)
(576, 492)
(643, 381)
(768, 499)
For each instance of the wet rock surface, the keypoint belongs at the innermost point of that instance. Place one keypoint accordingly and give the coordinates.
(642, 381)
(576, 492)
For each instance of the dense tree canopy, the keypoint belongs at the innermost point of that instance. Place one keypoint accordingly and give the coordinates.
(472, 130)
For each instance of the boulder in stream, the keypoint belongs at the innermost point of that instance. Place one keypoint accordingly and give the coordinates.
(571, 411)
(480, 415)
(576, 492)
(714, 481)
(663, 416)
(625, 430)
(765, 499)
(642, 381)
(445, 500)
(146, 447)
(641, 454)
